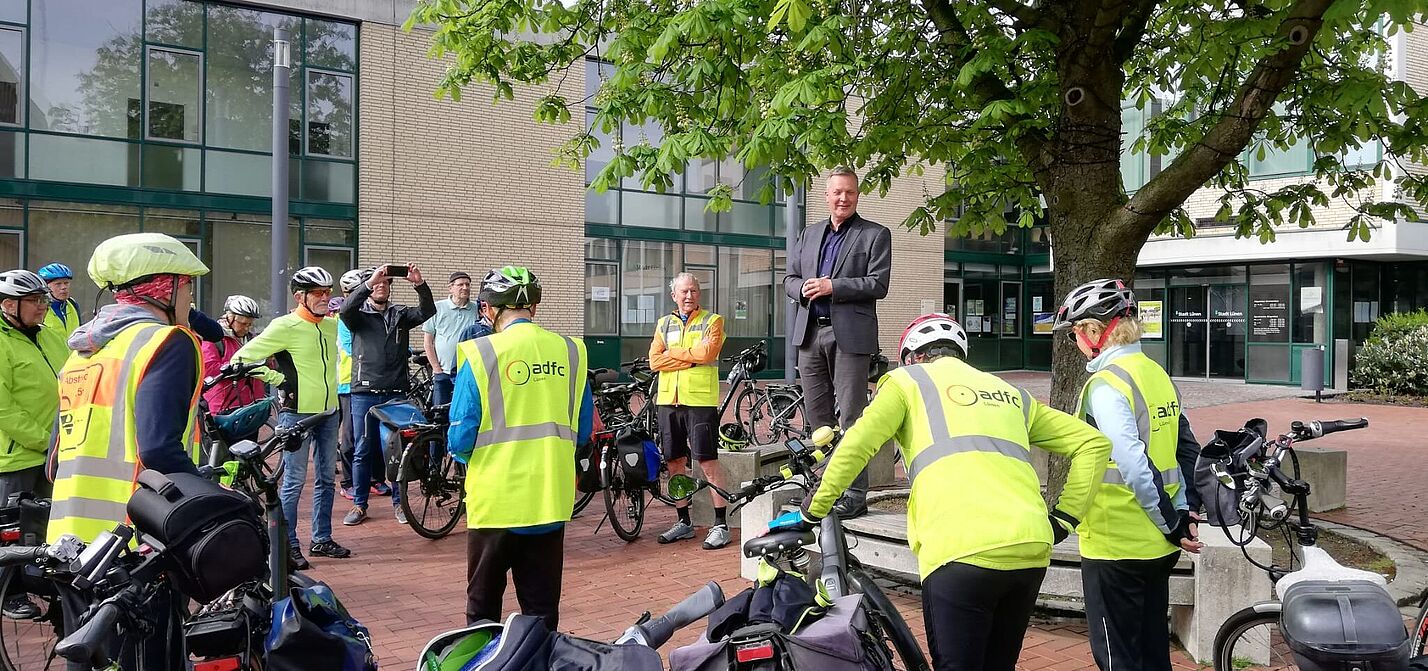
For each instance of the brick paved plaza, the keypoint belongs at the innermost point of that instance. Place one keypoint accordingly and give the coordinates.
(406, 589)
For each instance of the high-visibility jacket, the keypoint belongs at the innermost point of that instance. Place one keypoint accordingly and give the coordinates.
(521, 471)
(965, 436)
(344, 358)
(1117, 527)
(64, 327)
(697, 385)
(28, 371)
(96, 446)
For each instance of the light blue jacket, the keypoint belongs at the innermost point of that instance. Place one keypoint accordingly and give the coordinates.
(1114, 416)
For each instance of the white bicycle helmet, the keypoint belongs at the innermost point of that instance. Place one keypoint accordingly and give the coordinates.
(311, 277)
(1103, 299)
(21, 283)
(242, 306)
(352, 278)
(931, 328)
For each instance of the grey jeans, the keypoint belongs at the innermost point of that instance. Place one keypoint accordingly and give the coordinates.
(829, 375)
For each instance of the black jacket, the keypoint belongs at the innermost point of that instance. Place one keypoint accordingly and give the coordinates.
(381, 341)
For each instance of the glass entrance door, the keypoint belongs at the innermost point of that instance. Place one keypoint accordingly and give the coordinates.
(1207, 331)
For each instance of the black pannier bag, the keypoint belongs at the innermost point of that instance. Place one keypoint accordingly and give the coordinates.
(633, 456)
(587, 467)
(213, 535)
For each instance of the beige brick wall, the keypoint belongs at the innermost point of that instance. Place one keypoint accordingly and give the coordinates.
(464, 185)
(1415, 71)
(917, 259)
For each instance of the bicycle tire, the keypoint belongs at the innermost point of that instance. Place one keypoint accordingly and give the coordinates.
(582, 499)
(26, 645)
(441, 487)
(1243, 634)
(624, 505)
(744, 407)
(783, 413)
(890, 623)
(1419, 646)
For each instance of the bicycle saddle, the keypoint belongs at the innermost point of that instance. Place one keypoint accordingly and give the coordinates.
(775, 542)
(599, 376)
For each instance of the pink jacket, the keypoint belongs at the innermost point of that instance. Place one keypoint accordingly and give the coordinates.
(233, 393)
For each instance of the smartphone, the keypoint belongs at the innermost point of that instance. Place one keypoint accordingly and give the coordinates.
(394, 270)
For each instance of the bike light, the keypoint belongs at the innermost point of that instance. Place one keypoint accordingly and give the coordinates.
(409, 433)
(10, 536)
(219, 664)
(747, 653)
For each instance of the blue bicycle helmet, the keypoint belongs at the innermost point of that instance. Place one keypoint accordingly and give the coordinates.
(56, 271)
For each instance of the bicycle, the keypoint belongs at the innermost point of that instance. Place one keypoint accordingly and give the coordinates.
(770, 413)
(224, 429)
(1304, 626)
(29, 644)
(887, 639)
(429, 474)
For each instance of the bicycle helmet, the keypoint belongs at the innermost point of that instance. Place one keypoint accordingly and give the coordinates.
(124, 259)
(511, 287)
(56, 271)
(877, 367)
(311, 277)
(242, 306)
(1103, 299)
(21, 283)
(352, 278)
(930, 329)
(733, 437)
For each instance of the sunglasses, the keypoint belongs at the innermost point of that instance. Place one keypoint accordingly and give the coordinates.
(1071, 335)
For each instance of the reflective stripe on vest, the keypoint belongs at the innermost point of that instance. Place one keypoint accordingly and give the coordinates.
(96, 453)
(495, 396)
(944, 444)
(1117, 526)
(694, 386)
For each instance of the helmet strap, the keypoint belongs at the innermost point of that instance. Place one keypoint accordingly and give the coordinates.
(1101, 341)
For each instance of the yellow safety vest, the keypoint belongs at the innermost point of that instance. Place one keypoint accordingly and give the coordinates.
(696, 386)
(1116, 527)
(65, 326)
(97, 447)
(522, 470)
(344, 366)
(975, 497)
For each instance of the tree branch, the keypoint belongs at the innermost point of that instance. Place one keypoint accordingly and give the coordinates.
(1232, 133)
(952, 34)
(1132, 30)
(1023, 17)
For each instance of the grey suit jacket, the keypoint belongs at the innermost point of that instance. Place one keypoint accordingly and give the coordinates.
(861, 275)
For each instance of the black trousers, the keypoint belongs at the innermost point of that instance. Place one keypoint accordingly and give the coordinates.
(535, 562)
(976, 617)
(344, 442)
(1127, 606)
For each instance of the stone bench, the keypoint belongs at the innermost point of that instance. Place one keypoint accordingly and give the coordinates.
(1327, 471)
(1205, 589)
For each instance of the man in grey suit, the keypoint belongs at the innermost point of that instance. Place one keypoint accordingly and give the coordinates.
(837, 270)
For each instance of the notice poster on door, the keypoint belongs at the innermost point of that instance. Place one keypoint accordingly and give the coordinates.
(1152, 318)
(1269, 314)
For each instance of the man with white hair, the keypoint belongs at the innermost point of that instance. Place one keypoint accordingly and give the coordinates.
(685, 353)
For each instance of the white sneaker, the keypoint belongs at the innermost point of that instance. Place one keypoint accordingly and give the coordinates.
(680, 531)
(718, 537)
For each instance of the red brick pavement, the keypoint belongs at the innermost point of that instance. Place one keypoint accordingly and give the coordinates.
(407, 589)
(1387, 478)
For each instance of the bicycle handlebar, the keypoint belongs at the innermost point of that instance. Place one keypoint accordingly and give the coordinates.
(232, 371)
(87, 644)
(11, 556)
(1319, 429)
(66, 550)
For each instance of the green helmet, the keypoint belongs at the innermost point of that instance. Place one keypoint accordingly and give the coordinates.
(124, 258)
(510, 287)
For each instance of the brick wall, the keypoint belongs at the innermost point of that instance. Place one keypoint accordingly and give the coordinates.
(464, 185)
(1415, 71)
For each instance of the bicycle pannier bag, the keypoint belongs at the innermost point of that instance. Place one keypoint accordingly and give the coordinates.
(312, 631)
(392, 417)
(587, 466)
(214, 535)
(631, 452)
(831, 643)
(1339, 626)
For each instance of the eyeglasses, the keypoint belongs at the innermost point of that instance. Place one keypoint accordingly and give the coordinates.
(241, 321)
(320, 293)
(37, 299)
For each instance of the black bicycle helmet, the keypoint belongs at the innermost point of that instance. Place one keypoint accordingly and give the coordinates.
(1103, 299)
(511, 287)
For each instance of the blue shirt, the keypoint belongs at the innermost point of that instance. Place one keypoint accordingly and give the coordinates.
(465, 416)
(1114, 416)
(446, 327)
(827, 256)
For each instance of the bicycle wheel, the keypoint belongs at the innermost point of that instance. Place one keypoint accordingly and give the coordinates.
(624, 503)
(1420, 632)
(1250, 639)
(582, 499)
(744, 408)
(887, 626)
(780, 417)
(433, 503)
(26, 645)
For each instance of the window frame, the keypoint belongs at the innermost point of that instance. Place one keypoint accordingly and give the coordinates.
(23, 94)
(202, 94)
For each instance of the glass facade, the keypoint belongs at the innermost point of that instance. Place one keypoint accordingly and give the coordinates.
(638, 239)
(119, 116)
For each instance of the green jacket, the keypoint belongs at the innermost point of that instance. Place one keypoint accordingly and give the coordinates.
(306, 354)
(29, 394)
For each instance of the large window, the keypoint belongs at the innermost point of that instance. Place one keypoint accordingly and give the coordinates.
(329, 114)
(85, 60)
(746, 292)
(69, 232)
(175, 95)
(240, 80)
(645, 271)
